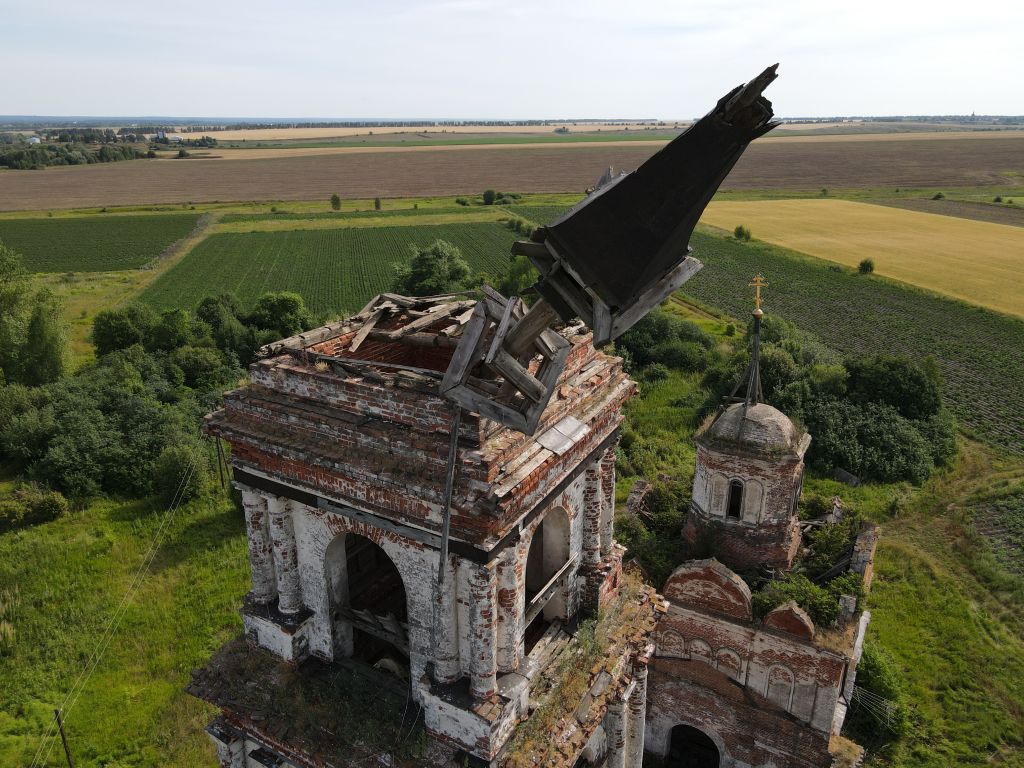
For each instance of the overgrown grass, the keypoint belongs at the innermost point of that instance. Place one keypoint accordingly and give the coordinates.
(70, 575)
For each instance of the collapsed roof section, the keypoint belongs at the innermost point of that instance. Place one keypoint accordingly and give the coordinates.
(354, 414)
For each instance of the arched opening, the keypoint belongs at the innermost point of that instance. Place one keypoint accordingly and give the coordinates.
(690, 747)
(547, 566)
(735, 506)
(368, 609)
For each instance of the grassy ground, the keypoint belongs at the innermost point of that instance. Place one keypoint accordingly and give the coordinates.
(952, 618)
(971, 260)
(70, 576)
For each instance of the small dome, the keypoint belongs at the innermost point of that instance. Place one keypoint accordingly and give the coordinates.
(763, 429)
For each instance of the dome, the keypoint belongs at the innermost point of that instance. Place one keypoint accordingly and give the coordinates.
(758, 427)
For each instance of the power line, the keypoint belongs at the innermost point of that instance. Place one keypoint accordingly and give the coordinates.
(40, 757)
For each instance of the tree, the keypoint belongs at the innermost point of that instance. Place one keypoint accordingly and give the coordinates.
(120, 328)
(376, 204)
(894, 381)
(335, 202)
(44, 355)
(284, 313)
(866, 266)
(490, 196)
(14, 288)
(436, 269)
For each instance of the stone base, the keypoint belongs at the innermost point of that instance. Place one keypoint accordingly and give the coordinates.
(283, 634)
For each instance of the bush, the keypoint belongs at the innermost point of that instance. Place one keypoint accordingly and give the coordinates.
(31, 505)
(878, 673)
(741, 233)
(656, 372)
(181, 473)
(376, 204)
(866, 266)
(461, 201)
(335, 202)
(938, 196)
(730, 330)
(490, 196)
(997, 199)
(182, 153)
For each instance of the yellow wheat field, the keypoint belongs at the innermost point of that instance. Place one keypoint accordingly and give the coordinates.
(972, 260)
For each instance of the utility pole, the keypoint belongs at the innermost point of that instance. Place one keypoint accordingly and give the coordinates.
(64, 738)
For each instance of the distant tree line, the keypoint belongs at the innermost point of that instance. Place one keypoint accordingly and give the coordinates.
(34, 157)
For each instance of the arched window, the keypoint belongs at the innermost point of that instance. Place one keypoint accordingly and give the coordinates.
(735, 507)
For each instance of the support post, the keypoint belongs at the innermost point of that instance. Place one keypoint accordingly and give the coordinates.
(637, 717)
(63, 738)
(446, 640)
(615, 730)
(483, 664)
(261, 558)
(286, 561)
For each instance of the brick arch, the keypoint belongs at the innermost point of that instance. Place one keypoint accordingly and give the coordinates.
(711, 733)
(700, 650)
(729, 662)
(709, 585)
(671, 644)
(780, 682)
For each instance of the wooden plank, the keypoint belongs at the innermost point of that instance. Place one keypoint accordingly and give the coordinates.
(518, 375)
(466, 353)
(365, 330)
(674, 278)
(477, 403)
(537, 319)
(499, 335)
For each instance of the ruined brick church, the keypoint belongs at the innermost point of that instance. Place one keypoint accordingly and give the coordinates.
(429, 499)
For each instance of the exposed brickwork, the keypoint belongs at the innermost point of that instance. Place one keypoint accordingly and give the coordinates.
(330, 445)
(748, 729)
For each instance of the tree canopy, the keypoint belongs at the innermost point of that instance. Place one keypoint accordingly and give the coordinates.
(437, 269)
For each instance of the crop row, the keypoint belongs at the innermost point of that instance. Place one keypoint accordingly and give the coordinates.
(335, 270)
(94, 243)
(978, 351)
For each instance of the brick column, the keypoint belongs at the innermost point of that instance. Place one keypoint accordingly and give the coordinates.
(261, 559)
(286, 563)
(637, 717)
(590, 568)
(608, 505)
(615, 733)
(446, 637)
(511, 605)
(483, 661)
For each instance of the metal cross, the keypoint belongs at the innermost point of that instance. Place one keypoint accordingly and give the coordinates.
(757, 284)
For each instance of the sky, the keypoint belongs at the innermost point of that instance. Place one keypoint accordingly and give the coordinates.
(665, 59)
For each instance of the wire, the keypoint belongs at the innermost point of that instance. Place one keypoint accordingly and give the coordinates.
(40, 757)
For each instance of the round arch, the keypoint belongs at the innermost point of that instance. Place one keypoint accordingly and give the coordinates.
(692, 747)
(368, 603)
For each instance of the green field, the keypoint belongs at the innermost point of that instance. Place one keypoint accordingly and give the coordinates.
(335, 270)
(87, 244)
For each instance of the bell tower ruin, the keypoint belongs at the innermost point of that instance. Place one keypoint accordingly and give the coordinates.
(339, 445)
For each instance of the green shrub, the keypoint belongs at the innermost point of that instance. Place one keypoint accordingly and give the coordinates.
(181, 473)
(741, 233)
(730, 330)
(997, 199)
(376, 204)
(6, 638)
(656, 372)
(489, 196)
(878, 673)
(12, 513)
(335, 202)
(866, 266)
(938, 196)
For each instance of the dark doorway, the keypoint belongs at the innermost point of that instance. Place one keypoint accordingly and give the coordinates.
(691, 748)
